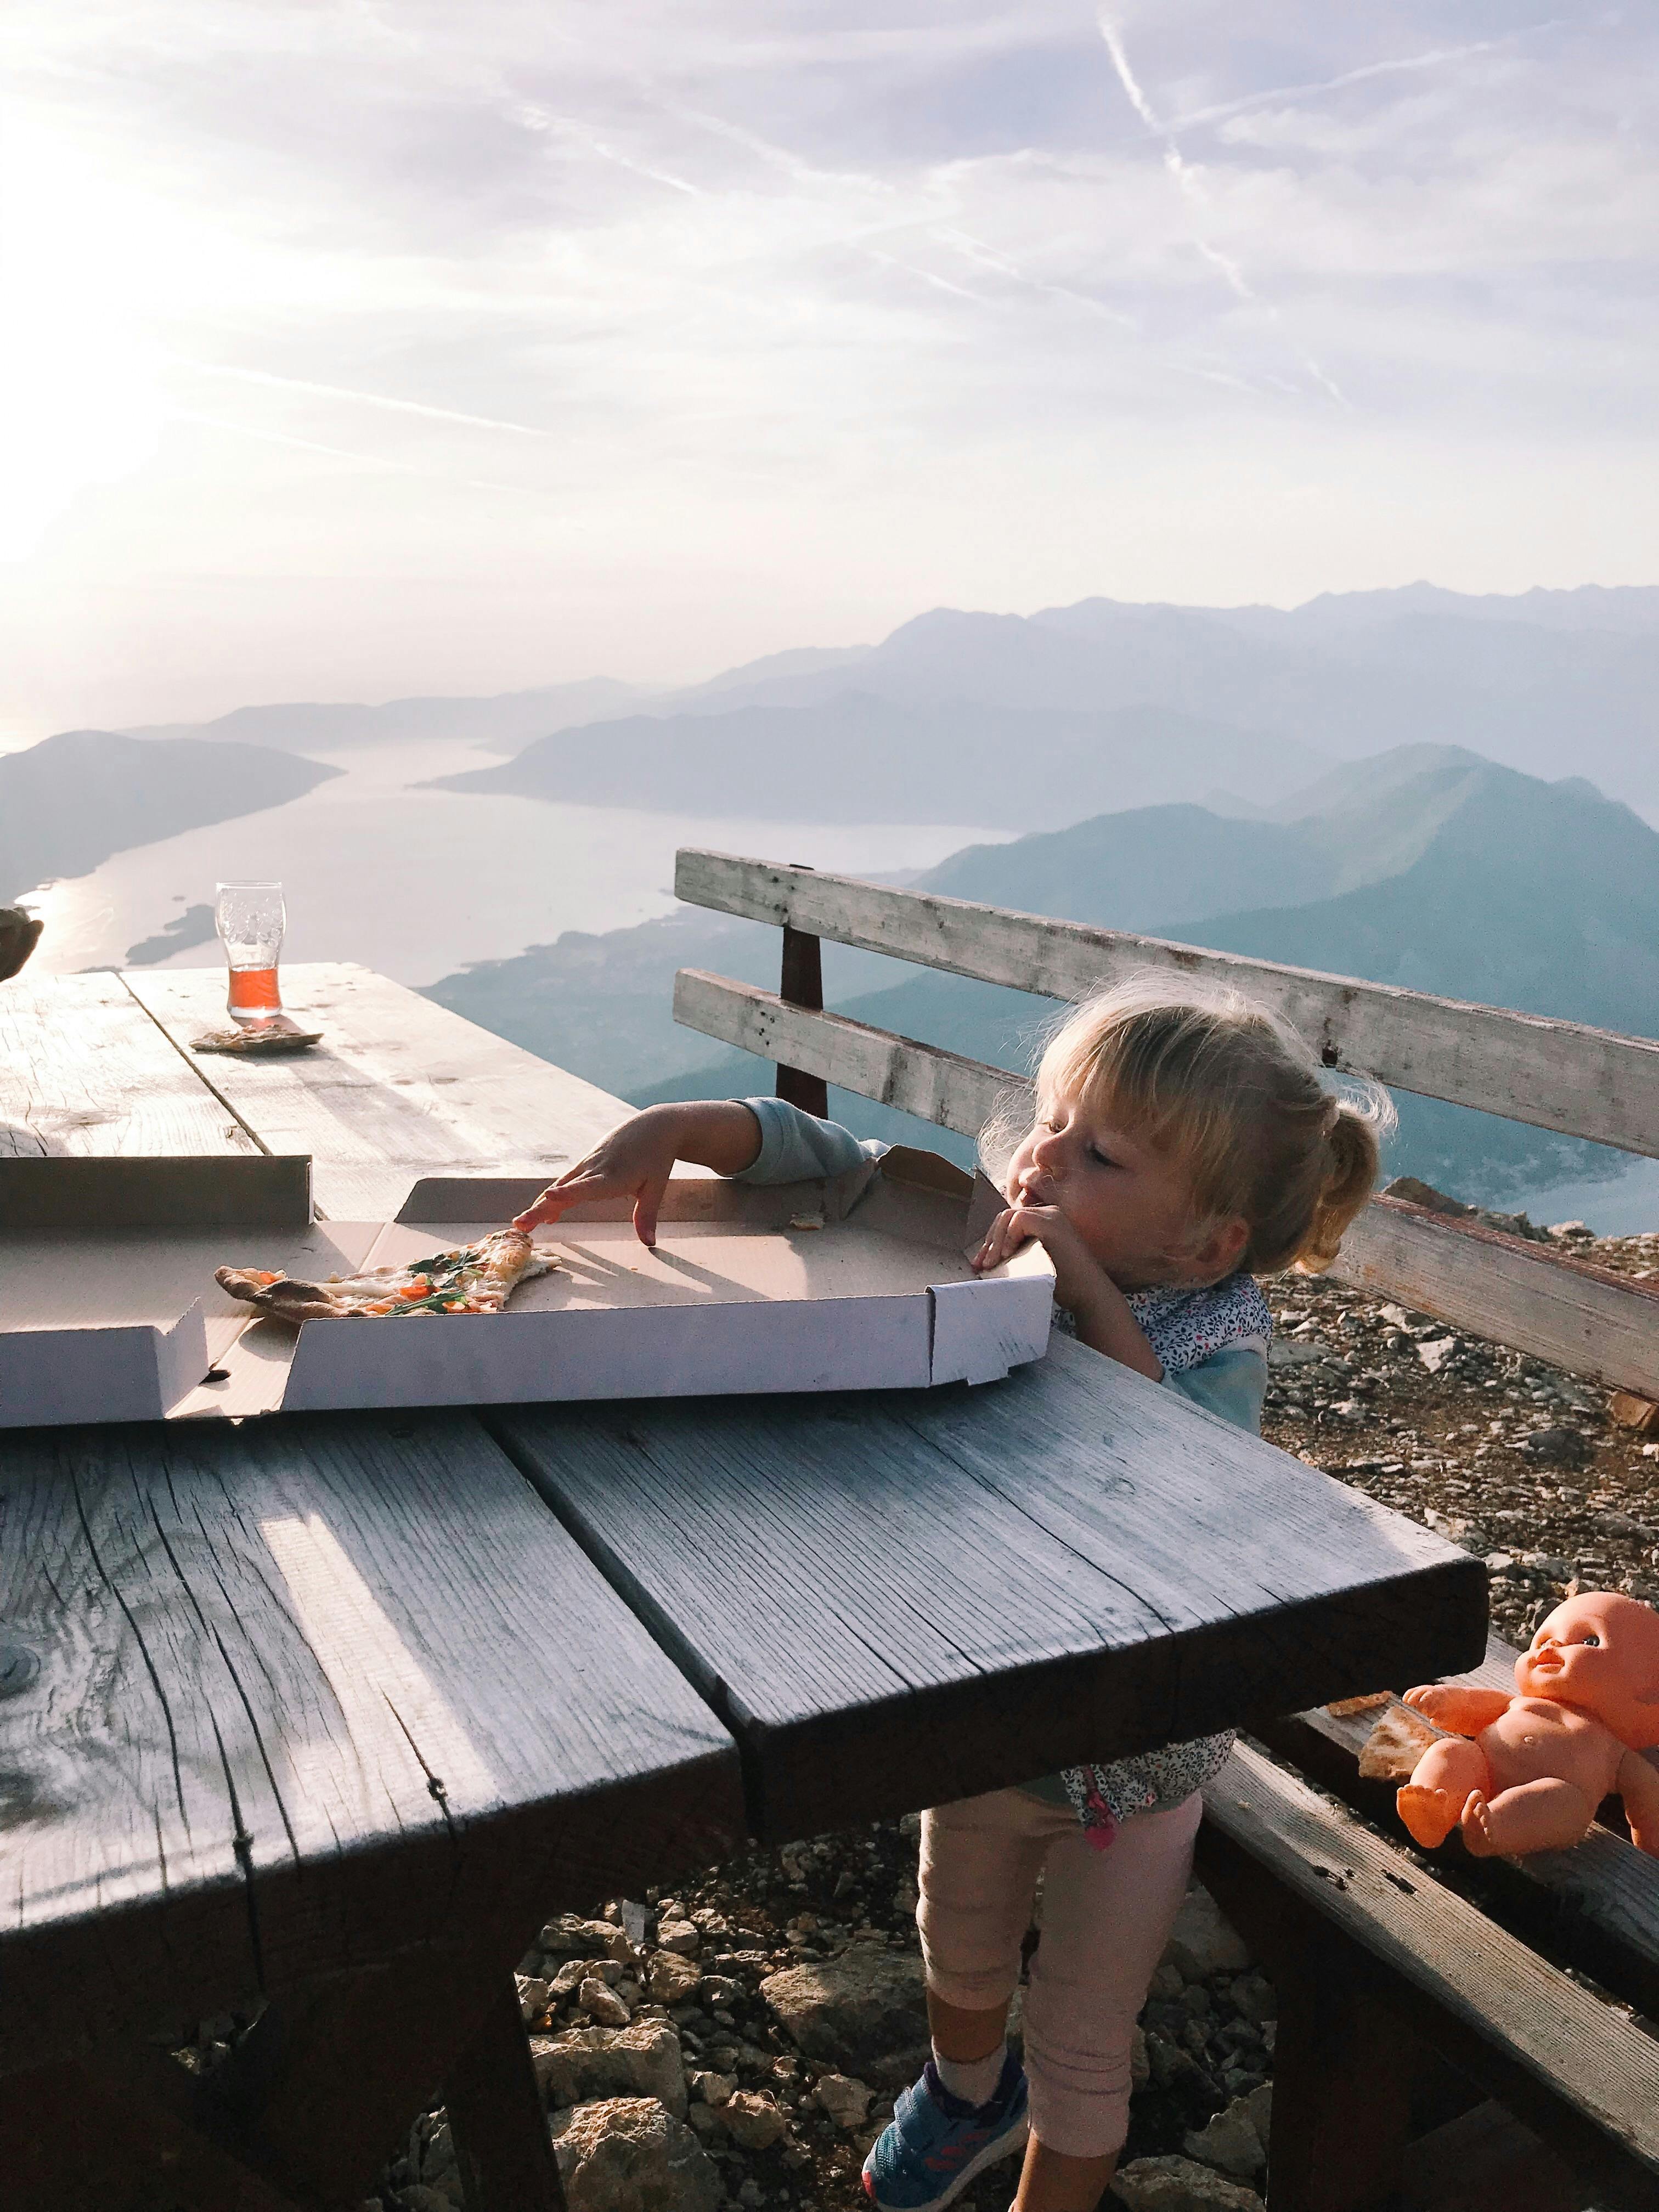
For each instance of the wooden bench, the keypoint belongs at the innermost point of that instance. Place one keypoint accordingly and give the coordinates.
(1390, 1973)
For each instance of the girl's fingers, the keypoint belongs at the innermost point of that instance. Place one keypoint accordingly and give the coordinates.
(647, 1201)
(560, 1196)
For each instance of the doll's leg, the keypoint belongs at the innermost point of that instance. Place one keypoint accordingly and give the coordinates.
(1548, 1815)
(1443, 1779)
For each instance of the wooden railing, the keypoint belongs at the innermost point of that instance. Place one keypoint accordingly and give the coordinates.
(1561, 1076)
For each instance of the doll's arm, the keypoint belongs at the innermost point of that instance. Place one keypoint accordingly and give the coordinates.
(1460, 1712)
(1638, 1785)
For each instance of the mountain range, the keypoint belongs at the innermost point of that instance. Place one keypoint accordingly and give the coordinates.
(1428, 866)
(1541, 681)
(69, 802)
(506, 719)
(855, 757)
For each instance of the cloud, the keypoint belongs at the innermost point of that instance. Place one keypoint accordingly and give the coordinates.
(797, 320)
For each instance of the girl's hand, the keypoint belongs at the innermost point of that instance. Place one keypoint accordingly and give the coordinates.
(1082, 1285)
(1078, 1274)
(637, 1158)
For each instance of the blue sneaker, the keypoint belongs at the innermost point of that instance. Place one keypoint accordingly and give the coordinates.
(935, 2144)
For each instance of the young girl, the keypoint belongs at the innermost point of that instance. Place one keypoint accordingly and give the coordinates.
(1184, 1143)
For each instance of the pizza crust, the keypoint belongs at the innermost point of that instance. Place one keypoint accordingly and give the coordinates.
(469, 1278)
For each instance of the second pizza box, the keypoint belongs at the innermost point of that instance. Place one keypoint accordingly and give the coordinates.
(858, 1283)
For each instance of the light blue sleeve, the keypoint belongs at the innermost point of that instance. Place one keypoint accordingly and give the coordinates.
(797, 1147)
(1232, 1383)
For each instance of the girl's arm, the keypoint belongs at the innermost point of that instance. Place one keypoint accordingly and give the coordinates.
(797, 1147)
(636, 1159)
(757, 1139)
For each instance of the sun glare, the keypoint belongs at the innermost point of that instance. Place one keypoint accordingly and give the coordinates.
(79, 397)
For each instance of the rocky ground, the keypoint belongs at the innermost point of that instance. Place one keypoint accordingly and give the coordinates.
(739, 2041)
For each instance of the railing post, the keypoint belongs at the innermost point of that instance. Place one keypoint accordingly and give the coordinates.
(801, 984)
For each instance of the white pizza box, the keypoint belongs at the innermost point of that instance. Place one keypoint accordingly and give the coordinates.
(858, 1283)
(91, 1327)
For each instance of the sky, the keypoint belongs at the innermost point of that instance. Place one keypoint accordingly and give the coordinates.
(362, 347)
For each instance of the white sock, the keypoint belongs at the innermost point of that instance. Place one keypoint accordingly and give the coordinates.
(972, 2080)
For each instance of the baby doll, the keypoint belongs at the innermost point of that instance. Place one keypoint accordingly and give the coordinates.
(1527, 1773)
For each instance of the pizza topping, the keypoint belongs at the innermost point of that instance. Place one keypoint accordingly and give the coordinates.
(473, 1278)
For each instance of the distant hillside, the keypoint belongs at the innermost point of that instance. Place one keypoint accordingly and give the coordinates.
(1428, 867)
(1548, 682)
(70, 801)
(507, 720)
(855, 758)
(1542, 681)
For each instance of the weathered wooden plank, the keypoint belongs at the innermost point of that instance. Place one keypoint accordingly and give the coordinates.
(923, 1080)
(299, 1707)
(399, 1088)
(1557, 1075)
(1572, 2047)
(85, 1071)
(498, 2117)
(1124, 1570)
(801, 984)
(1584, 1318)
(1509, 1291)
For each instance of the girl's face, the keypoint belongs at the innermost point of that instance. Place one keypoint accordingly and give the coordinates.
(1131, 1205)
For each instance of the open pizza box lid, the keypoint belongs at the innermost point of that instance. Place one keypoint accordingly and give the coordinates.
(861, 1282)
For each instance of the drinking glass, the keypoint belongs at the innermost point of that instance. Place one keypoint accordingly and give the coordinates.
(250, 919)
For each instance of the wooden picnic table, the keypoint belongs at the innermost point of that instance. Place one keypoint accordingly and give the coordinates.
(328, 1714)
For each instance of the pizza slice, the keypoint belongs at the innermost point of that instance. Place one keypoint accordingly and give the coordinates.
(472, 1279)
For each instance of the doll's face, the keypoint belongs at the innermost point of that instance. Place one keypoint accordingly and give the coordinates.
(1599, 1651)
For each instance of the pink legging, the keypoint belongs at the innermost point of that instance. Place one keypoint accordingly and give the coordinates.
(1106, 1917)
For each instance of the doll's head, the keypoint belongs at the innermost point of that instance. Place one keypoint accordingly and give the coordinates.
(1599, 1651)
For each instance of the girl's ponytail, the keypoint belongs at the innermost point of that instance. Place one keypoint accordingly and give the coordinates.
(1355, 1157)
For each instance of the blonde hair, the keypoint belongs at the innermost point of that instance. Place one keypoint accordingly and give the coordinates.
(1208, 1077)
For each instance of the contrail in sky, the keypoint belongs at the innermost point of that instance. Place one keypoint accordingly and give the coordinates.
(360, 398)
(1188, 178)
(1432, 59)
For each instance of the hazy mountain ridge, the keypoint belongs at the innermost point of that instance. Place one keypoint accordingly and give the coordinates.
(1429, 867)
(1541, 680)
(68, 802)
(508, 718)
(856, 758)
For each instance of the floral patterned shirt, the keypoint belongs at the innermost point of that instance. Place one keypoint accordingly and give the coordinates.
(1225, 1329)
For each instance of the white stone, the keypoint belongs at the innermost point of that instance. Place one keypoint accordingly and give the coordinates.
(628, 2154)
(601, 2003)
(755, 2121)
(588, 2063)
(1179, 2184)
(867, 2006)
(845, 2097)
(1229, 2143)
(1258, 2107)
(1201, 1942)
(672, 1979)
